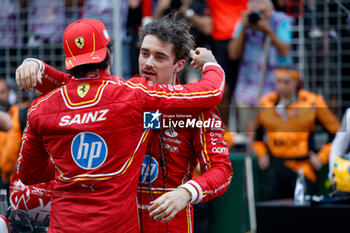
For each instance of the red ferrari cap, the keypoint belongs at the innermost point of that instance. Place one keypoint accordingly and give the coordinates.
(85, 41)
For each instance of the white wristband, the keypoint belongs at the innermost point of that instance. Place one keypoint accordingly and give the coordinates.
(195, 189)
(211, 64)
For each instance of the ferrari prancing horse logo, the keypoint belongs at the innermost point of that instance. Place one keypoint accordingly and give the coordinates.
(79, 41)
(83, 89)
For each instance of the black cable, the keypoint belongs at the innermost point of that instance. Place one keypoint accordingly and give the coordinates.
(149, 175)
(162, 164)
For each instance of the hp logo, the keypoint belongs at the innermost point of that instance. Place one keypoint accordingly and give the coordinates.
(149, 172)
(89, 150)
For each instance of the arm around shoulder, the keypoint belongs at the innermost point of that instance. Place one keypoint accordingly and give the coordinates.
(194, 97)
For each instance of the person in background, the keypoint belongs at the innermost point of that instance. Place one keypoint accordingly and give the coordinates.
(10, 141)
(5, 120)
(260, 21)
(9, 154)
(288, 118)
(197, 13)
(225, 15)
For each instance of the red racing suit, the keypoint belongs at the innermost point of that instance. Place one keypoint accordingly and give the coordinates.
(182, 151)
(89, 135)
(183, 148)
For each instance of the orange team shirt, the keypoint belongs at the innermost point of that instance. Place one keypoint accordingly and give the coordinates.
(10, 145)
(225, 14)
(289, 138)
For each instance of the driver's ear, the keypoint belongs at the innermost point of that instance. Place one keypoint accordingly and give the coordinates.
(180, 64)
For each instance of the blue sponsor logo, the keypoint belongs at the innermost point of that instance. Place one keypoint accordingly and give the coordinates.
(149, 172)
(151, 120)
(89, 150)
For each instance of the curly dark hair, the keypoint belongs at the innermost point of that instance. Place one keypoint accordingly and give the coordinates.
(82, 70)
(171, 29)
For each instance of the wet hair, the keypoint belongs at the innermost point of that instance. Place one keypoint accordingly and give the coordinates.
(82, 70)
(171, 29)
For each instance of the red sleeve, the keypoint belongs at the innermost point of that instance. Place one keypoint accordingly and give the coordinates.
(212, 153)
(52, 79)
(195, 97)
(34, 162)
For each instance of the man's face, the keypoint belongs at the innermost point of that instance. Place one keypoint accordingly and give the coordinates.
(285, 85)
(157, 61)
(262, 6)
(4, 93)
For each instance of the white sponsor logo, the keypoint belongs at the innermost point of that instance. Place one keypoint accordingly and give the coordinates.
(214, 141)
(105, 33)
(85, 118)
(171, 148)
(38, 191)
(171, 132)
(89, 150)
(178, 87)
(219, 150)
(172, 140)
(91, 186)
(218, 135)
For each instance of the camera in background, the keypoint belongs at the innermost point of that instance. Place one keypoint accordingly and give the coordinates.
(255, 16)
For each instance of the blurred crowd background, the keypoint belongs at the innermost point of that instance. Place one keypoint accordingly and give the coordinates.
(320, 47)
